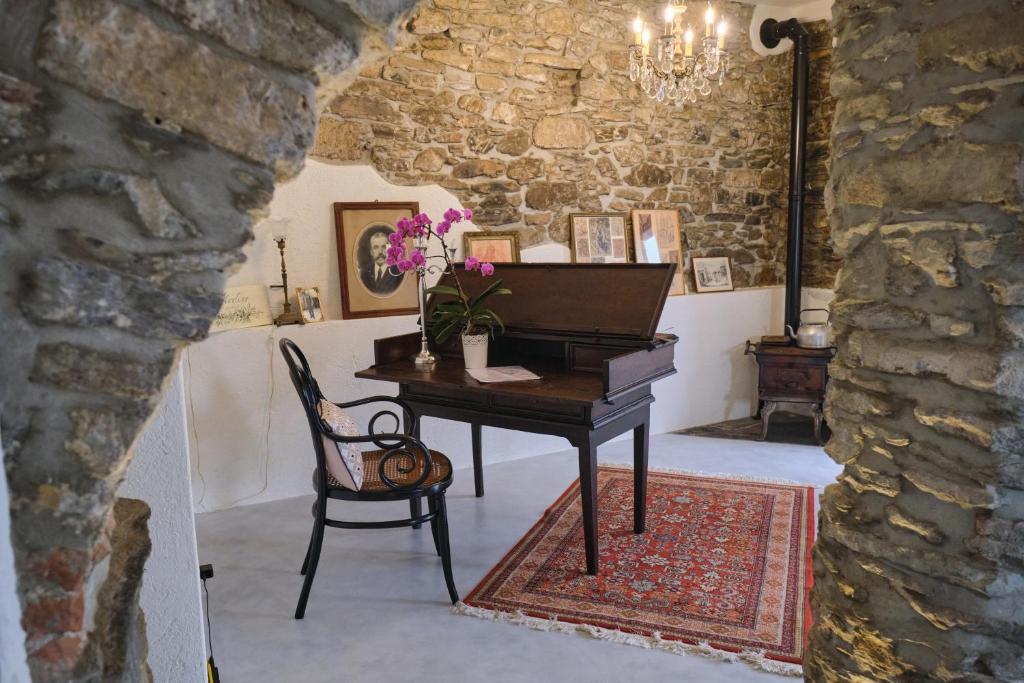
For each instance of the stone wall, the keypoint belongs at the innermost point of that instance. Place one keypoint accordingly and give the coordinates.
(919, 566)
(137, 142)
(525, 111)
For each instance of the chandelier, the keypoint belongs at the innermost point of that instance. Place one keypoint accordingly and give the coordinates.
(669, 70)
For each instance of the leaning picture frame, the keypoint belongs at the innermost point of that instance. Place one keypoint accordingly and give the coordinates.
(369, 288)
(599, 238)
(491, 246)
(712, 273)
(244, 306)
(657, 239)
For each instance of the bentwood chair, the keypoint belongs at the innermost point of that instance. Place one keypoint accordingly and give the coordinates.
(401, 468)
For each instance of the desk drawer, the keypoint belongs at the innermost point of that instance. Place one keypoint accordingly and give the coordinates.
(539, 405)
(449, 395)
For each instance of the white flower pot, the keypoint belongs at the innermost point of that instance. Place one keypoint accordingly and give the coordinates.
(474, 350)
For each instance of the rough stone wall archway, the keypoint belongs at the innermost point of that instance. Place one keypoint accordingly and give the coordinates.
(919, 565)
(139, 139)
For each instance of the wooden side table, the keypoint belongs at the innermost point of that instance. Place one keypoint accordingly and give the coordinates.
(790, 374)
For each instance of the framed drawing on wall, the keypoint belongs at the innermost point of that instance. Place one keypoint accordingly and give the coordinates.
(656, 239)
(598, 238)
(712, 273)
(492, 247)
(369, 288)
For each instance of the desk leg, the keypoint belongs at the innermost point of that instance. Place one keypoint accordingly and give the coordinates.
(588, 493)
(478, 465)
(641, 440)
(412, 427)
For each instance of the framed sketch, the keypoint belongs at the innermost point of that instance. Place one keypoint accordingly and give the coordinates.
(246, 306)
(310, 308)
(656, 239)
(712, 273)
(598, 238)
(492, 247)
(369, 288)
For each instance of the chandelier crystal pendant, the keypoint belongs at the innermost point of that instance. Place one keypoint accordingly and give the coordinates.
(669, 70)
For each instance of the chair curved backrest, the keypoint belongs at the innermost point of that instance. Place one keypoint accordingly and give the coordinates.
(309, 394)
(396, 446)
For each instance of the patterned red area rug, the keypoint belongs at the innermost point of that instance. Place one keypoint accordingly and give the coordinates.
(723, 568)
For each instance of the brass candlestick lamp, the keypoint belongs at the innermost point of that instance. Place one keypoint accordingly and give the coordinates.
(279, 232)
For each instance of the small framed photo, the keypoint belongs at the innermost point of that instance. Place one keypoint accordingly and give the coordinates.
(310, 308)
(712, 273)
(492, 247)
(598, 238)
(656, 239)
(369, 288)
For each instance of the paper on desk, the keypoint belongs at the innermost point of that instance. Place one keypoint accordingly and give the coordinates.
(509, 373)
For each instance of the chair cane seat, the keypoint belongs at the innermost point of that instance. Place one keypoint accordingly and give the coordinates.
(372, 483)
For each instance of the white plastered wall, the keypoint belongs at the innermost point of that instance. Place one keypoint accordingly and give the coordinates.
(13, 668)
(159, 475)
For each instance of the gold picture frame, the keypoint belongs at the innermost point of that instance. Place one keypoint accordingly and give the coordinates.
(369, 290)
(599, 238)
(657, 238)
(311, 306)
(500, 246)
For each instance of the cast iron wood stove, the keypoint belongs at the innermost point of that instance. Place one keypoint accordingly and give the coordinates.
(788, 373)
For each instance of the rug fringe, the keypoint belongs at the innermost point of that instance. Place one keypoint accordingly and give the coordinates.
(755, 659)
(717, 475)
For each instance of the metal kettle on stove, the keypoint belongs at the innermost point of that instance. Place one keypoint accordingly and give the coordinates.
(812, 335)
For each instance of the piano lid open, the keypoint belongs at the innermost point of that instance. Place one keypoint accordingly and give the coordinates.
(620, 300)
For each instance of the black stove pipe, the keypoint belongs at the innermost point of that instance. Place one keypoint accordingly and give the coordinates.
(772, 32)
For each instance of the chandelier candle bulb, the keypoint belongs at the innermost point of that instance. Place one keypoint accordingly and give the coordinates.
(689, 41)
(638, 28)
(721, 35)
(670, 15)
(645, 40)
(709, 20)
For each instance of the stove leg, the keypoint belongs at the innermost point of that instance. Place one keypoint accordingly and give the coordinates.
(766, 412)
(818, 417)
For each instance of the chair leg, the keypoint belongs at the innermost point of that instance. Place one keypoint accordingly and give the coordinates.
(415, 510)
(432, 507)
(309, 547)
(446, 550)
(315, 544)
(309, 551)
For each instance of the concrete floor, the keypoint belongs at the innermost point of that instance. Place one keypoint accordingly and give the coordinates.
(378, 610)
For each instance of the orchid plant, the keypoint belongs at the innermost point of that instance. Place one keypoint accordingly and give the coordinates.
(464, 313)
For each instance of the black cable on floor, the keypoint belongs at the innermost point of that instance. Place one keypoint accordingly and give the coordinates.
(212, 675)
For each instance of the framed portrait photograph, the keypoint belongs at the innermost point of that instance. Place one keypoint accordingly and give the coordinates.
(492, 247)
(598, 238)
(310, 308)
(712, 273)
(656, 239)
(369, 288)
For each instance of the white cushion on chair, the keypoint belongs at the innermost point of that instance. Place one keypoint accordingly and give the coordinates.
(344, 460)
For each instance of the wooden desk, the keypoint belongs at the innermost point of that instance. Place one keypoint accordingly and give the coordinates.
(567, 403)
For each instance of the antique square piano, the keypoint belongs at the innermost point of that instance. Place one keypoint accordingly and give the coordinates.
(588, 330)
